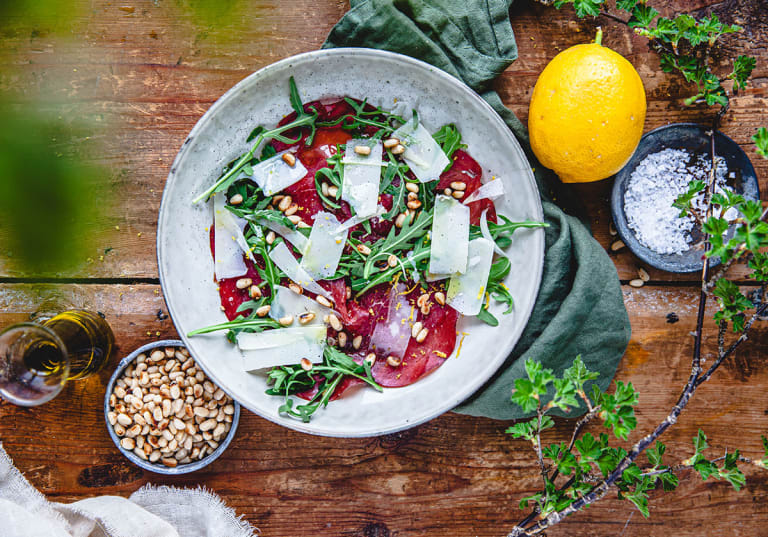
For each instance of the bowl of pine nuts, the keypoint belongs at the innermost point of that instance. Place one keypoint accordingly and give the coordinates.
(164, 414)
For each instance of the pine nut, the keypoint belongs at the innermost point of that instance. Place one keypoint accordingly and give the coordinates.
(291, 210)
(289, 159)
(363, 249)
(295, 219)
(254, 291)
(124, 420)
(416, 328)
(128, 444)
(412, 196)
(342, 338)
(393, 361)
(356, 342)
(295, 288)
(362, 150)
(170, 462)
(425, 309)
(324, 188)
(423, 298)
(643, 274)
(285, 203)
(243, 283)
(458, 194)
(237, 199)
(370, 359)
(263, 310)
(459, 185)
(271, 237)
(412, 187)
(306, 317)
(399, 149)
(636, 283)
(333, 191)
(301, 224)
(334, 322)
(422, 335)
(413, 204)
(157, 356)
(306, 365)
(440, 298)
(392, 260)
(286, 321)
(323, 301)
(400, 220)
(389, 143)
(618, 245)
(447, 191)
(612, 229)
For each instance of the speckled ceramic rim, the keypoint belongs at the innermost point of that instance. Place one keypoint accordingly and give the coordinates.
(159, 468)
(496, 355)
(677, 263)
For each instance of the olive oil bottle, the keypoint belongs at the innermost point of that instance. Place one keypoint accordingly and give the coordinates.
(88, 340)
(36, 360)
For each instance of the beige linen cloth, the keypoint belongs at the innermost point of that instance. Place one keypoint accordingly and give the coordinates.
(149, 512)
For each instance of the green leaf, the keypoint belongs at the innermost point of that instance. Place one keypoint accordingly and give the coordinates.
(655, 453)
(683, 201)
(579, 374)
(565, 395)
(642, 16)
(589, 448)
(528, 391)
(618, 410)
(449, 138)
(700, 442)
(669, 481)
(294, 98)
(626, 5)
(761, 142)
(730, 471)
(487, 317)
(742, 69)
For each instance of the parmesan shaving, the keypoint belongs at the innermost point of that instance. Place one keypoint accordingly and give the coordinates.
(490, 190)
(284, 259)
(450, 237)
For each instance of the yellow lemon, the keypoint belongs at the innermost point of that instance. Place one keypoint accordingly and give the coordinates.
(587, 113)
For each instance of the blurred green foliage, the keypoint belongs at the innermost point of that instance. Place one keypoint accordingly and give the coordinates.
(48, 210)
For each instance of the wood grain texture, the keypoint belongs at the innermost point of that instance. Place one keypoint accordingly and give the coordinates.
(455, 475)
(143, 78)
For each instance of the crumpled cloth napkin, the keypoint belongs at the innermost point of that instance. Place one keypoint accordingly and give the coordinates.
(149, 512)
(580, 307)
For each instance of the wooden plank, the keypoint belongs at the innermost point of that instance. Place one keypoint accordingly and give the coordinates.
(149, 75)
(455, 475)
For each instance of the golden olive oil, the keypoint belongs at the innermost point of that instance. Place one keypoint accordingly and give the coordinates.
(88, 340)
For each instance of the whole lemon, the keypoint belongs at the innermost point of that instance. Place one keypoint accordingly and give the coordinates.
(587, 113)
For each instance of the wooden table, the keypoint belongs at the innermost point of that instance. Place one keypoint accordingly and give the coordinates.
(149, 72)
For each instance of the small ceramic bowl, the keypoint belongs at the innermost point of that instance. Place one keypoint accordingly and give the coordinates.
(695, 140)
(154, 467)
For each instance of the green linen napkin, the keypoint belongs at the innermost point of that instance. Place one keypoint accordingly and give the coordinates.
(580, 307)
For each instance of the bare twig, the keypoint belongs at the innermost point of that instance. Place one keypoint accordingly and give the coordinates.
(742, 338)
(542, 467)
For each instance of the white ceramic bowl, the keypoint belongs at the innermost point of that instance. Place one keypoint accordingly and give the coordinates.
(186, 267)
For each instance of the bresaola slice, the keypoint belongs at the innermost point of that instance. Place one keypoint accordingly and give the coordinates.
(391, 336)
(422, 358)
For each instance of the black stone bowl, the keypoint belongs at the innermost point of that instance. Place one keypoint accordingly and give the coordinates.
(695, 140)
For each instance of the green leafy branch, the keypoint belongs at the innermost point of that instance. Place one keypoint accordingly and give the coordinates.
(684, 44)
(589, 467)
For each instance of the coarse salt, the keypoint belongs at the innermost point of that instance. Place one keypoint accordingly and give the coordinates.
(652, 189)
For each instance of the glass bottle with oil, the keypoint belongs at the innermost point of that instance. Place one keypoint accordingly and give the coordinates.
(36, 360)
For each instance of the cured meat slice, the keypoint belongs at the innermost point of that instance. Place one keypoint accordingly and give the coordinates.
(466, 170)
(421, 358)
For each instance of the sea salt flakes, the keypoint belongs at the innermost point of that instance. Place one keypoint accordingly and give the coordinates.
(652, 189)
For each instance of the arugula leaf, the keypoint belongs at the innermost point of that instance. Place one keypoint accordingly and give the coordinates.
(449, 139)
